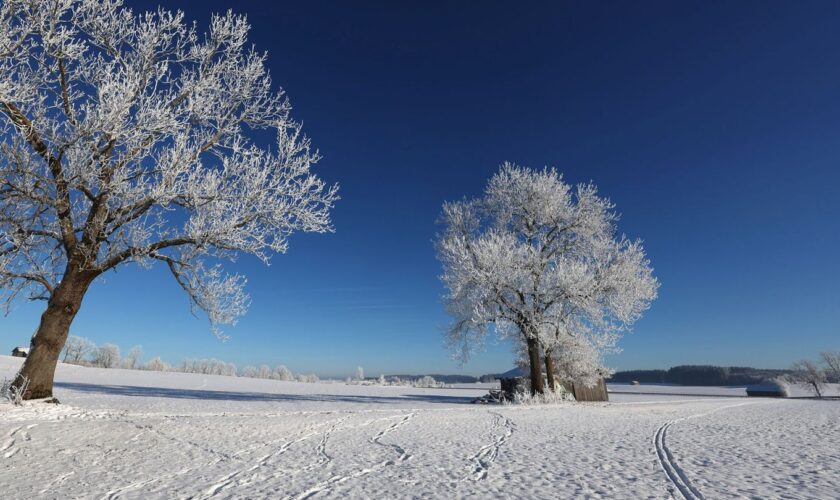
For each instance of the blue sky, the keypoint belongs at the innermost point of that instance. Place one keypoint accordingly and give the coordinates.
(713, 126)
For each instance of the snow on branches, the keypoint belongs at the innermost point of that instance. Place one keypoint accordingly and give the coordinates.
(134, 137)
(539, 260)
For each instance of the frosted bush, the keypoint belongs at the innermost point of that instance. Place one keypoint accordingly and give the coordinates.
(548, 397)
(13, 394)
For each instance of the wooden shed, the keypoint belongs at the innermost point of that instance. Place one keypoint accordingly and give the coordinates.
(20, 352)
(597, 392)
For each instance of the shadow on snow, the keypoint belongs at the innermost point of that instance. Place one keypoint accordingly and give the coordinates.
(163, 392)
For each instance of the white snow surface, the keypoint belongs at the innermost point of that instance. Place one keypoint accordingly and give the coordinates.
(135, 434)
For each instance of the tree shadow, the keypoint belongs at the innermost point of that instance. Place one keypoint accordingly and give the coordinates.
(209, 395)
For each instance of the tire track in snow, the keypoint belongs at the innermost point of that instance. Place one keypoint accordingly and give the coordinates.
(329, 484)
(487, 454)
(676, 474)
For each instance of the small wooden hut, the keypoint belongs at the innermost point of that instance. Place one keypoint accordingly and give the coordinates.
(20, 352)
(597, 392)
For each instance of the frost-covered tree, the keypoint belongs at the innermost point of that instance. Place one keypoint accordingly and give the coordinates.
(382, 380)
(832, 364)
(106, 356)
(263, 372)
(810, 375)
(248, 371)
(157, 364)
(360, 373)
(76, 349)
(132, 359)
(537, 259)
(137, 138)
(283, 373)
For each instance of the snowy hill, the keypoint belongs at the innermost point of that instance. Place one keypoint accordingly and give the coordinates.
(135, 434)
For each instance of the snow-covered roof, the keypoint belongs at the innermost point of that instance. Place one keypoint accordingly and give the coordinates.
(21, 349)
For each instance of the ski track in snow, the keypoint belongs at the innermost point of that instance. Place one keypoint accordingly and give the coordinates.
(243, 477)
(676, 474)
(487, 454)
(324, 458)
(326, 486)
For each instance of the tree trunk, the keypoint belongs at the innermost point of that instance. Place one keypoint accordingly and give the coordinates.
(44, 348)
(536, 367)
(549, 371)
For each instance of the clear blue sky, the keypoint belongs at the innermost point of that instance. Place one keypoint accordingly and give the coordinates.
(714, 127)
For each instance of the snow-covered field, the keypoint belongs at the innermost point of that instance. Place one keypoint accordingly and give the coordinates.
(135, 434)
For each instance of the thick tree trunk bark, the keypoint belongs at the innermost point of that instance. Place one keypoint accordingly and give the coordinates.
(537, 386)
(44, 348)
(549, 371)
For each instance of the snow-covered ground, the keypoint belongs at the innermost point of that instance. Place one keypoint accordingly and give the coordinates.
(135, 434)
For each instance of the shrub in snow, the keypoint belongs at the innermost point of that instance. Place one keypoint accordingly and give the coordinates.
(13, 393)
(548, 397)
(426, 381)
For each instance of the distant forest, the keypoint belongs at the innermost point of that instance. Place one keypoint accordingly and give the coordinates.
(448, 379)
(699, 375)
(677, 375)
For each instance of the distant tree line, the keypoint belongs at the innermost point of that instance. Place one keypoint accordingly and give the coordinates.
(446, 379)
(81, 351)
(699, 375)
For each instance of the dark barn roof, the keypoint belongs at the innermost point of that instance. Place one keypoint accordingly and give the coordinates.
(767, 389)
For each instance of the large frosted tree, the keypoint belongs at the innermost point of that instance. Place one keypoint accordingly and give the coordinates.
(539, 260)
(136, 138)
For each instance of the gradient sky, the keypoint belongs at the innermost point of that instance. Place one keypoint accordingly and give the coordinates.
(713, 126)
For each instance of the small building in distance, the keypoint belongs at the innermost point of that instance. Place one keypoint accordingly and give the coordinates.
(20, 352)
(768, 389)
